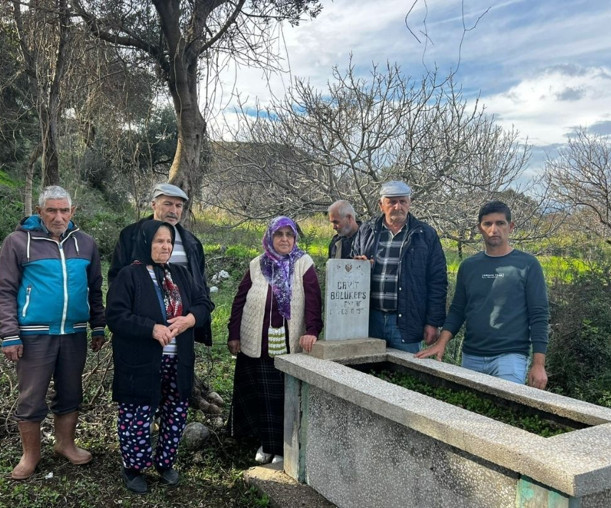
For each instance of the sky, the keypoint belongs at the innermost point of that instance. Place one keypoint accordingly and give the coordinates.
(542, 67)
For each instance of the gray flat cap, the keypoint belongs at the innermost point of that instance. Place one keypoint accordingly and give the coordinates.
(166, 189)
(395, 188)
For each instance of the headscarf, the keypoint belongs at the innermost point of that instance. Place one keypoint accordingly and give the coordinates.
(144, 243)
(278, 269)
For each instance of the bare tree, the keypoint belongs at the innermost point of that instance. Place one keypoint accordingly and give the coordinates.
(176, 35)
(312, 147)
(43, 30)
(580, 181)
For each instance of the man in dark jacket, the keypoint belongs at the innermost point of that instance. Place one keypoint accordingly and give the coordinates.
(168, 204)
(343, 218)
(409, 276)
(50, 286)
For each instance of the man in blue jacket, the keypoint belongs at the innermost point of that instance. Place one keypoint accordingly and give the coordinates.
(50, 286)
(409, 277)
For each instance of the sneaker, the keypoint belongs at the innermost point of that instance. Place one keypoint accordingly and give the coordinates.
(134, 481)
(277, 459)
(261, 457)
(169, 477)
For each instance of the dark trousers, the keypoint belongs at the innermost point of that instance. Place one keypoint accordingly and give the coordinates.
(45, 357)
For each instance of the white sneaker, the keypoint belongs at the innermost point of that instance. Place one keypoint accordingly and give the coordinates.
(277, 459)
(261, 457)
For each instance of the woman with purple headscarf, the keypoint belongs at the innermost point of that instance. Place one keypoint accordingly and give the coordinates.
(277, 310)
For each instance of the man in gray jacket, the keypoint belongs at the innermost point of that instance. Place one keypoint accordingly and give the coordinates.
(50, 286)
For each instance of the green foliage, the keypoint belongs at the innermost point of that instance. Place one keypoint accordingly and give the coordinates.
(12, 205)
(579, 354)
(475, 403)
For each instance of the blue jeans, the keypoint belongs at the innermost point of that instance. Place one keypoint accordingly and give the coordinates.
(383, 325)
(509, 366)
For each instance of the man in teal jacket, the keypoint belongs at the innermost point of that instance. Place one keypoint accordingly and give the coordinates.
(50, 286)
(502, 297)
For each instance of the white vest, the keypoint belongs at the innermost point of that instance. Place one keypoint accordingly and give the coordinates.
(253, 313)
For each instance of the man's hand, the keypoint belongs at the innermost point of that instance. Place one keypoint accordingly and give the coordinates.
(97, 341)
(430, 334)
(179, 324)
(306, 342)
(13, 353)
(537, 377)
(436, 349)
(363, 258)
(233, 346)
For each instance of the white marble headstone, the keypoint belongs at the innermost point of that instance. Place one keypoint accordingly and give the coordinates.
(347, 299)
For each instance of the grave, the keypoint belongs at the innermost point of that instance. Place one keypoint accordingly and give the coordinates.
(360, 441)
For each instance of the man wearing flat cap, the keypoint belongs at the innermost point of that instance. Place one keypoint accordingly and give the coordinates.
(409, 275)
(168, 204)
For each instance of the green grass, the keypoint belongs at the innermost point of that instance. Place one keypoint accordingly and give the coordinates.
(472, 401)
(212, 477)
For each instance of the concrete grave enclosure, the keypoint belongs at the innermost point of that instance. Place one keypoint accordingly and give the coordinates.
(363, 442)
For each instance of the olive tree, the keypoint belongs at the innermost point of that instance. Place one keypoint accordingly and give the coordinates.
(177, 36)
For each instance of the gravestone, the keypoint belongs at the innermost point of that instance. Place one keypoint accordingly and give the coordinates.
(347, 299)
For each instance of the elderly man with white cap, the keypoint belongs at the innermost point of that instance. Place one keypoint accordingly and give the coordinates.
(409, 274)
(168, 204)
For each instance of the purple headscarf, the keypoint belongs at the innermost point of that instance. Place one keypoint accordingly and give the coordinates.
(278, 269)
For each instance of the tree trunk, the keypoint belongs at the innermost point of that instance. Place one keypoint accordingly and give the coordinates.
(29, 180)
(50, 158)
(186, 171)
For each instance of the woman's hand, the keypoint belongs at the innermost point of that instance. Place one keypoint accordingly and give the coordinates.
(306, 342)
(233, 346)
(179, 324)
(162, 334)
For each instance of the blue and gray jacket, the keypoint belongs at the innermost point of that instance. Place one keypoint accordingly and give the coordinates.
(49, 287)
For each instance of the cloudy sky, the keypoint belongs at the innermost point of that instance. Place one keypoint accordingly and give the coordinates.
(542, 66)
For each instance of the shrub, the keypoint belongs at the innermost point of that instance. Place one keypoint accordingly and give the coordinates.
(579, 353)
(12, 209)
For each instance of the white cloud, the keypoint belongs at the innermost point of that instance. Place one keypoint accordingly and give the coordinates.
(549, 105)
(541, 66)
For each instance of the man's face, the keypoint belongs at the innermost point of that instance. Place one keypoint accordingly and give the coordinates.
(56, 215)
(395, 209)
(168, 209)
(341, 225)
(495, 229)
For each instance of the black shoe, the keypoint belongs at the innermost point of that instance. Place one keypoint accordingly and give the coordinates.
(169, 477)
(134, 481)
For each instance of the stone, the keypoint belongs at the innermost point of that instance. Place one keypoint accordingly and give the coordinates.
(347, 299)
(195, 435)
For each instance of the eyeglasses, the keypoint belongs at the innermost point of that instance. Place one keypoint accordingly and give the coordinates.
(287, 234)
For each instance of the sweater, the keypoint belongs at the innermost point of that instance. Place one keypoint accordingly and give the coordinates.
(504, 303)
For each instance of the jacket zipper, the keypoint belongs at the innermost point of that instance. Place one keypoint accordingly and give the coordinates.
(28, 291)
